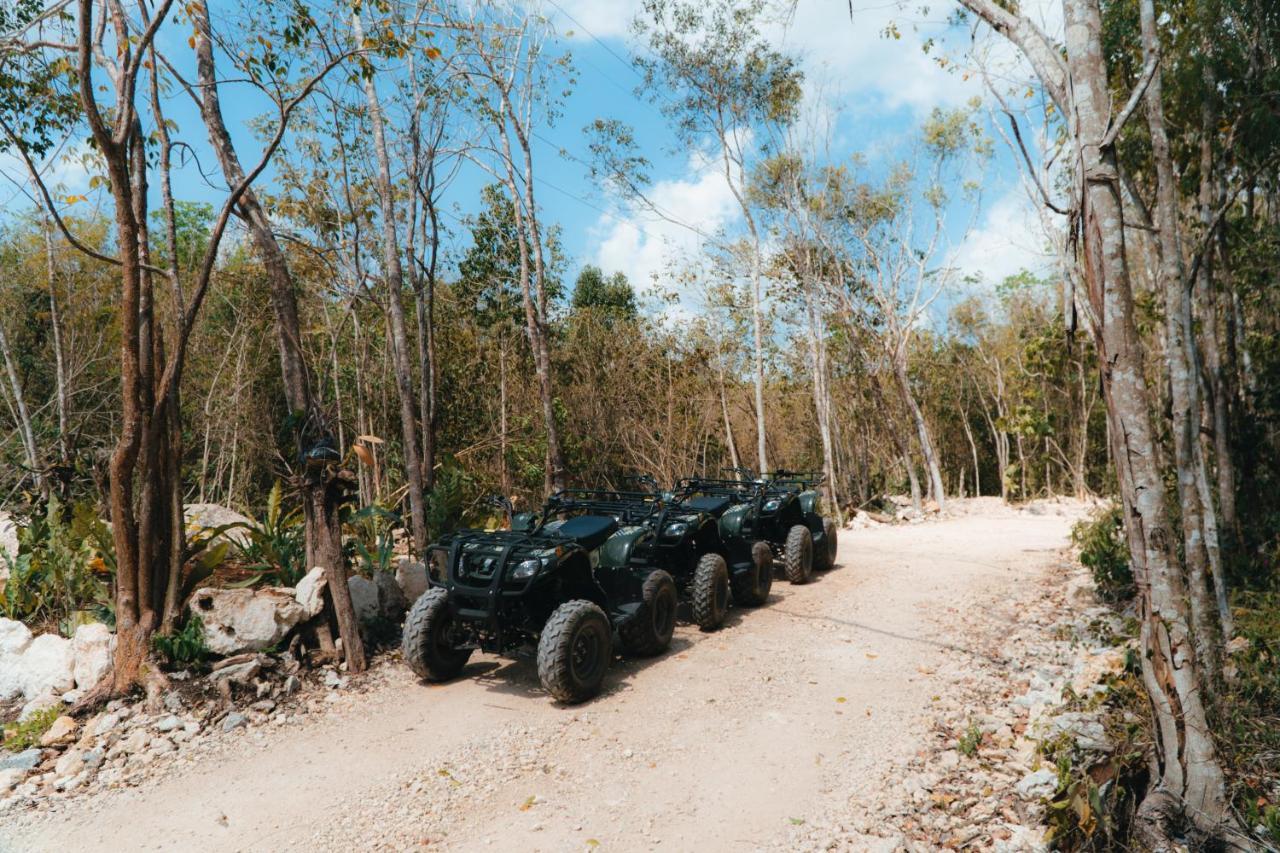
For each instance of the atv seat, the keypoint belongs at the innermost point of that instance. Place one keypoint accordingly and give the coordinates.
(711, 504)
(589, 530)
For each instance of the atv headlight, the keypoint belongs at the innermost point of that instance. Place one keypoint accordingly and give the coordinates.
(772, 505)
(676, 530)
(526, 570)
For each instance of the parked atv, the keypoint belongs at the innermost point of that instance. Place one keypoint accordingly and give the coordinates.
(685, 541)
(563, 585)
(806, 487)
(780, 512)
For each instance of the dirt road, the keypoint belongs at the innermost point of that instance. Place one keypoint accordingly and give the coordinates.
(729, 742)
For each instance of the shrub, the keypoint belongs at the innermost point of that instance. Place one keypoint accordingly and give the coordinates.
(276, 547)
(24, 735)
(63, 565)
(185, 647)
(1104, 552)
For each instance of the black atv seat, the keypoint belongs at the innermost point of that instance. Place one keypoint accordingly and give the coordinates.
(712, 504)
(590, 530)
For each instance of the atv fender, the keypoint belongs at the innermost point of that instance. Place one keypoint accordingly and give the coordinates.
(731, 522)
(616, 552)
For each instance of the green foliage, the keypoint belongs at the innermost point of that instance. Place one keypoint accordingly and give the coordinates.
(62, 567)
(24, 735)
(276, 547)
(445, 501)
(371, 538)
(1104, 552)
(1248, 711)
(609, 298)
(182, 648)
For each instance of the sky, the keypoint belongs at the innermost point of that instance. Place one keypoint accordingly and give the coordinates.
(873, 89)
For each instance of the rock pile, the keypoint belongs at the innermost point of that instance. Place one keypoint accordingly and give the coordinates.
(45, 670)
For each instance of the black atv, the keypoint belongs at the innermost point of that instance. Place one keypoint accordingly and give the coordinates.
(564, 585)
(685, 541)
(782, 512)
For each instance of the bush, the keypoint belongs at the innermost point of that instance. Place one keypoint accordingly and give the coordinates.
(276, 548)
(63, 566)
(183, 648)
(20, 736)
(1104, 552)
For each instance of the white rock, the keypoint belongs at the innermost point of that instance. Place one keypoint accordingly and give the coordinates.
(10, 778)
(168, 724)
(69, 764)
(201, 517)
(237, 620)
(412, 577)
(93, 646)
(39, 703)
(8, 545)
(364, 598)
(1041, 783)
(104, 724)
(14, 637)
(47, 666)
(310, 592)
(61, 730)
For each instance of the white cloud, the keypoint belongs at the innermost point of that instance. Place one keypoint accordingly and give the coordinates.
(1008, 240)
(643, 245)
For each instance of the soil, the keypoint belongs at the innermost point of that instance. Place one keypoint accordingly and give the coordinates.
(761, 735)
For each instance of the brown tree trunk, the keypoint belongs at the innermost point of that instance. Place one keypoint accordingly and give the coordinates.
(323, 488)
(399, 343)
(1183, 396)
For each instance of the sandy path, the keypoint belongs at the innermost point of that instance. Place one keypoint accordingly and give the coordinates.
(726, 743)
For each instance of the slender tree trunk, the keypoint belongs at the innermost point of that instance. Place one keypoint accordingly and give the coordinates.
(323, 487)
(1184, 401)
(936, 489)
(973, 448)
(399, 343)
(21, 414)
(757, 333)
(1187, 770)
(724, 412)
(59, 362)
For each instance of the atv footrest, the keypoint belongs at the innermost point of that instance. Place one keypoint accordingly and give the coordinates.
(474, 614)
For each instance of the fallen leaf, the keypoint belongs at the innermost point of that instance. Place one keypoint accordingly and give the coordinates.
(528, 804)
(872, 655)
(796, 821)
(841, 699)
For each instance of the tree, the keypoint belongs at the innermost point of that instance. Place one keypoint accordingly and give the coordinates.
(612, 298)
(1188, 778)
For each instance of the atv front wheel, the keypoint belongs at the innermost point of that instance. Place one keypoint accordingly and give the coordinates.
(574, 651)
(827, 559)
(710, 592)
(797, 558)
(427, 646)
(751, 589)
(649, 631)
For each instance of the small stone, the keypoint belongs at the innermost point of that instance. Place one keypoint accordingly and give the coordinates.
(11, 778)
(104, 724)
(234, 721)
(266, 706)
(332, 679)
(291, 685)
(93, 758)
(60, 732)
(69, 764)
(1041, 783)
(37, 704)
(25, 760)
(169, 723)
(173, 701)
(162, 746)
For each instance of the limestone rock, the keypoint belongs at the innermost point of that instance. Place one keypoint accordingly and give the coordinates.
(93, 645)
(233, 721)
(1041, 783)
(47, 666)
(364, 598)
(25, 760)
(237, 620)
(201, 517)
(14, 637)
(310, 592)
(392, 603)
(9, 779)
(412, 577)
(60, 732)
(8, 545)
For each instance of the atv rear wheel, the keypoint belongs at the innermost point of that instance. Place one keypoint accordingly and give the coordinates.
(797, 558)
(428, 638)
(751, 589)
(649, 631)
(574, 651)
(827, 558)
(710, 592)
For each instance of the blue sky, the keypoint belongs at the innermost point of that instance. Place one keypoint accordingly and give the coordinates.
(873, 90)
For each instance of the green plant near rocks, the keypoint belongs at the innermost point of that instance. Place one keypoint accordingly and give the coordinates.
(62, 568)
(371, 542)
(183, 648)
(24, 735)
(276, 547)
(1105, 553)
(970, 741)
